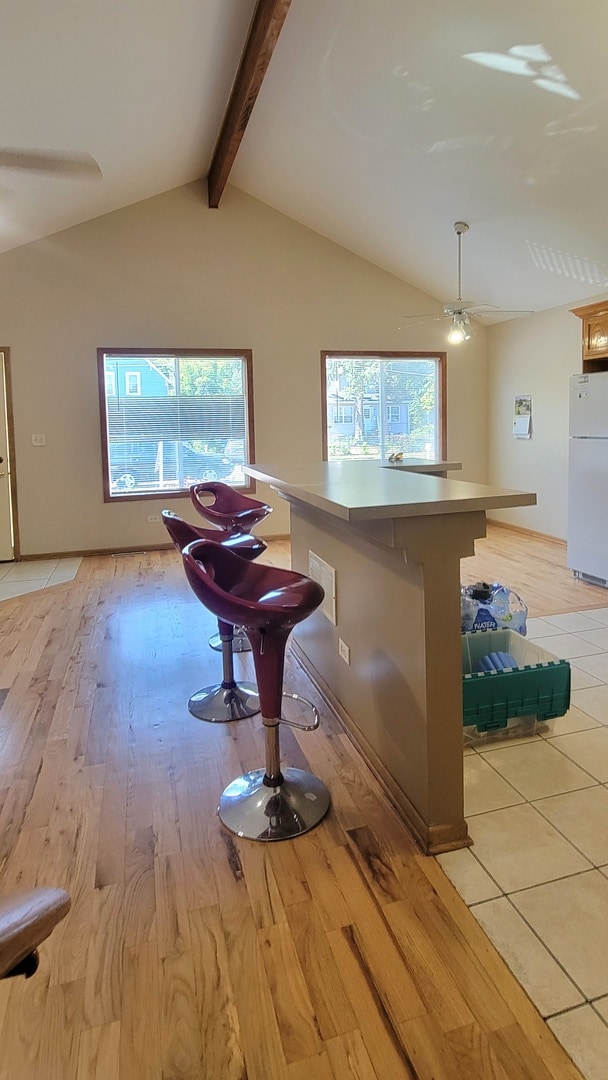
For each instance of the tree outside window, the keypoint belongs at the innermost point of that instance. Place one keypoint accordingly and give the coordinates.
(395, 403)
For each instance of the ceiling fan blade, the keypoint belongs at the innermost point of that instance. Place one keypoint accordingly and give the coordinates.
(425, 315)
(47, 161)
(488, 309)
(411, 321)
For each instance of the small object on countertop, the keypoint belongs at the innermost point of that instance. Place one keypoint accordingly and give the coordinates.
(497, 661)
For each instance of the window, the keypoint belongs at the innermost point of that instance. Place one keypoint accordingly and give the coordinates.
(397, 404)
(181, 418)
(343, 414)
(133, 383)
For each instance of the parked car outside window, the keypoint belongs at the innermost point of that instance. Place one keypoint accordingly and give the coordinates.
(137, 465)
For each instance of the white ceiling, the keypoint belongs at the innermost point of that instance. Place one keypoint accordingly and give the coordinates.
(374, 126)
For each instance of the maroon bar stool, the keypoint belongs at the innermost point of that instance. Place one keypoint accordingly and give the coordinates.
(231, 512)
(267, 804)
(228, 509)
(227, 700)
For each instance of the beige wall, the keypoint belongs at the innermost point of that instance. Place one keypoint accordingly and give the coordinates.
(169, 272)
(536, 356)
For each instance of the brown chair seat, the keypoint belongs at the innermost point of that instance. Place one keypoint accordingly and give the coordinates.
(26, 919)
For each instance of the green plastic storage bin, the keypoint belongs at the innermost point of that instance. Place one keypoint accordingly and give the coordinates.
(539, 687)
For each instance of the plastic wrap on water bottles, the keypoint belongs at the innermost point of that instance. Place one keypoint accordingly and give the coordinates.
(485, 606)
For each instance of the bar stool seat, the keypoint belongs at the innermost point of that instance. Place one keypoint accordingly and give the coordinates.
(229, 509)
(266, 804)
(228, 700)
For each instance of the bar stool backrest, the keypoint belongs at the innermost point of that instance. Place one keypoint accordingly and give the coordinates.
(228, 508)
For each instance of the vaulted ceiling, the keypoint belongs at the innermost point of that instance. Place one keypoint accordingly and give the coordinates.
(377, 124)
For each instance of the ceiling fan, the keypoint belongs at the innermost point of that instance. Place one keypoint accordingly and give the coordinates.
(77, 166)
(459, 310)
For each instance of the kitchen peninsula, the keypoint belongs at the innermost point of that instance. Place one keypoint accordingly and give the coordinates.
(394, 535)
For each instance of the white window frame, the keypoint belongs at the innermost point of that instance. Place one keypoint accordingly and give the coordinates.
(133, 375)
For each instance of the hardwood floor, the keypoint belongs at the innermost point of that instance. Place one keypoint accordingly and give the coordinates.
(535, 568)
(189, 954)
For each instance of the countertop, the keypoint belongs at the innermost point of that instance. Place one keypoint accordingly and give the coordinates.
(373, 490)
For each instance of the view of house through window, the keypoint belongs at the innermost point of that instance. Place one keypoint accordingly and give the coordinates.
(170, 419)
(378, 404)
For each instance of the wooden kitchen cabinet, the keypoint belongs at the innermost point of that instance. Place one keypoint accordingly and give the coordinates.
(594, 319)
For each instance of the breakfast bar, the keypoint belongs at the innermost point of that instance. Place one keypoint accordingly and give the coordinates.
(386, 541)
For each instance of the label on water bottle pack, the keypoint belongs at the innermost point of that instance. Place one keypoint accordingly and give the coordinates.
(484, 620)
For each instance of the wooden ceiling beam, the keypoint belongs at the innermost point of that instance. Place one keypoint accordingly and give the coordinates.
(266, 25)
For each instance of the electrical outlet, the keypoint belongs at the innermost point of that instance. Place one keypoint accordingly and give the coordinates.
(152, 518)
(344, 651)
(38, 440)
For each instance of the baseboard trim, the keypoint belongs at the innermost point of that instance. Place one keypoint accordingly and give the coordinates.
(526, 532)
(433, 839)
(119, 550)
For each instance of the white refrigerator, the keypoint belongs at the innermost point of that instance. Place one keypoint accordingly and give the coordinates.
(587, 552)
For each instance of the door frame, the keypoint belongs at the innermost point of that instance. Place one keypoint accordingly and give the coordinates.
(10, 435)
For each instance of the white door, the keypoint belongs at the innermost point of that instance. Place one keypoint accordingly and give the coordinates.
(7, 549)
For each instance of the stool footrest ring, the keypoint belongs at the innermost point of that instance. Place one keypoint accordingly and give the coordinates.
(309, 705)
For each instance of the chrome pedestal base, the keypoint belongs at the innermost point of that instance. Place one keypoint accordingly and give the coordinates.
(219, 704)
(240, 642)
(250, 808)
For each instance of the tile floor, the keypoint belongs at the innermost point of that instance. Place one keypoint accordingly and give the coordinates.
(536, 877)
(17, 578)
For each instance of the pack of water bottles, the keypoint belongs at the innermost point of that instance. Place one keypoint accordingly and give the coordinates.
(485, 606)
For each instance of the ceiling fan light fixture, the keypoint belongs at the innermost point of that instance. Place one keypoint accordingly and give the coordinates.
(459, 330)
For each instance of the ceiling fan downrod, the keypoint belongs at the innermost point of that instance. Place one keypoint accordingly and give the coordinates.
(460, 228)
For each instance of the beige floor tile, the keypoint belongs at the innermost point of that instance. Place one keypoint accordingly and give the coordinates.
(484, 789)
(31, 570)
(574, 720)
(540, 628)
(520, 848)
(18, 588)
(65, 570)
(537, 770)
(594, 701)
(573, 622)
(533, 966)
(589, 749)
(581, 679)
(567, 646)
(594, 665)
(585, 1037)
(582, 817)
(599, 615)
(468, 876)
(598, 636)
(569, 917)
(601, 1006)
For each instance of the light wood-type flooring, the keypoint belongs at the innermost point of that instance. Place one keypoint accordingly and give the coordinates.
(190, 954)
